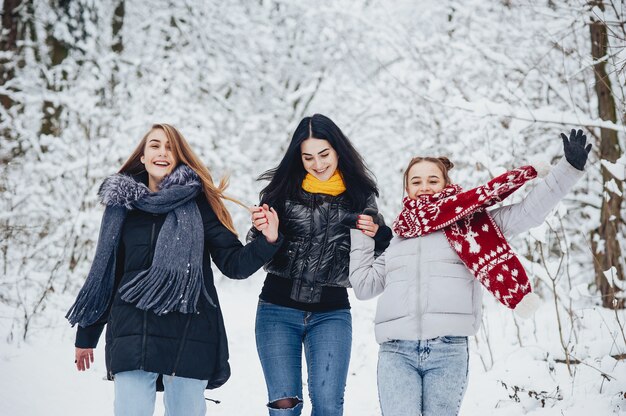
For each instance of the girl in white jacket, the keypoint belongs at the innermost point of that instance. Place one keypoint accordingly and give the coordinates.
(430, 277)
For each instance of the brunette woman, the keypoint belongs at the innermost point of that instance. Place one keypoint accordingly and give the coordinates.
(319, 188)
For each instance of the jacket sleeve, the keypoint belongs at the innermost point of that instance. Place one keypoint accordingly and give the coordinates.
(88, 336)
(234, 260)
(384, 234)
(252, 235)
(367, 275)
(535, 207)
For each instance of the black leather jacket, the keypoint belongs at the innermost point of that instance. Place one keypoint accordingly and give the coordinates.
(316, 251)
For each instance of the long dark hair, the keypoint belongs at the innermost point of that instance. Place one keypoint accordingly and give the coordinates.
(286, 178)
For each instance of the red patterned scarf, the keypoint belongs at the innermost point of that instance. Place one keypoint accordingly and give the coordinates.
(471, 231)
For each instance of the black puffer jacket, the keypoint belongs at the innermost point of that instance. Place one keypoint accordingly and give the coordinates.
(316, 251)
(186, 345)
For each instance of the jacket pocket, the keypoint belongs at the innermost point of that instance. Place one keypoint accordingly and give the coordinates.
(393, 303)
(282, 262)
(450, 289)
(396, 269)
(339, 267)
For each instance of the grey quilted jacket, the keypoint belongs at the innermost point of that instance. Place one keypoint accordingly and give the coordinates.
(426, 290)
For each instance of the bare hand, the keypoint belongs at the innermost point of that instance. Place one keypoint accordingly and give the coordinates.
(258, 217)
(366, 224)
(265, 219)
(84, 357)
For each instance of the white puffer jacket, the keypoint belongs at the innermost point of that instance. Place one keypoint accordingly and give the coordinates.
(426, 289)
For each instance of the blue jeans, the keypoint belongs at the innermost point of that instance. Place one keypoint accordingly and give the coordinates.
(327, 339)
(135, 393)
(422, 377)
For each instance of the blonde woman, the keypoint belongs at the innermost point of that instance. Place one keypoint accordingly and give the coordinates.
(151, 280)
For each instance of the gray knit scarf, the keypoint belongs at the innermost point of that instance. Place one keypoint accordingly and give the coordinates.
(174, 280)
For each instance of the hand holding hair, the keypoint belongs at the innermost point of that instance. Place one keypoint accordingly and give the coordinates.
(575, 150)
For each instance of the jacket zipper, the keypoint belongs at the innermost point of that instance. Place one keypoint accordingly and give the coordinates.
(181, 345)
(418, 281)
(317, 268)
(307, 250)
(330, 207)
(143, 339)
(152, 237)
(145, 313)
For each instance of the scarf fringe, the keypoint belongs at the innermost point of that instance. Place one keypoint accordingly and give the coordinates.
(94, 297)
(90, 304)
(165, 290)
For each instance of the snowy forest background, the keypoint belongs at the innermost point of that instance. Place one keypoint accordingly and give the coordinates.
(488, 83)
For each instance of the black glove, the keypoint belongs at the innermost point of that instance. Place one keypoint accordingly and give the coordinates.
(575, 150)
(350, 219)
(372, 212)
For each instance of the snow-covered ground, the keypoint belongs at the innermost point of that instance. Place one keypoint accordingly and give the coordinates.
(38, 377)
(488, 83)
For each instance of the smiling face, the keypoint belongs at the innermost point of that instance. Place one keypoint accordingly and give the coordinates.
(319, 158)
(157, 158)
(424, 178)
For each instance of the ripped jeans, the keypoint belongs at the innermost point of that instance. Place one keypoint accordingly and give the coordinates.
(327, 338)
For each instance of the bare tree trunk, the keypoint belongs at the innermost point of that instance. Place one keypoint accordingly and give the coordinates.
(51, 113)
(58, 51)
(117, 24)
(11, 32)
(605, 241)
(117, 44)
(8, 42)
(9, 24)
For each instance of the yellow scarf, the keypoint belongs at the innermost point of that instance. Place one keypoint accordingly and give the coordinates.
(333, 186)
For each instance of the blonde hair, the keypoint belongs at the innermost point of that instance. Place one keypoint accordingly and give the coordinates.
(443, 163)
(183, 153)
